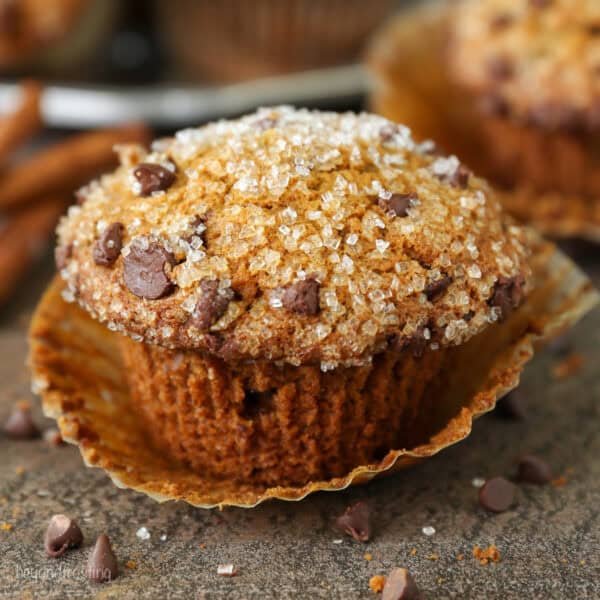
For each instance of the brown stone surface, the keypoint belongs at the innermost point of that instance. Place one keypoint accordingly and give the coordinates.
(284, 550)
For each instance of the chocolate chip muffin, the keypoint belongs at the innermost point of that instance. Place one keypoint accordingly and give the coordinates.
(236, 40)
(532, 68)
(290, 283)
(52, 35)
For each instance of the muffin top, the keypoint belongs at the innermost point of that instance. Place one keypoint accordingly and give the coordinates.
(536, 60)
(296, 236)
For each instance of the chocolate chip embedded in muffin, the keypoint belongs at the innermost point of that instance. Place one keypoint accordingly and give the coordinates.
(144, 270)
(507, 295)
(302, 297)
(153, 178)
(108, 246)
(212, 304)
(398, 204)
(434, 289)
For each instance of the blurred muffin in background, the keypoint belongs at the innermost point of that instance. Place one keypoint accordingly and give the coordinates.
(52, 35)
(236, 39)
(533, 70)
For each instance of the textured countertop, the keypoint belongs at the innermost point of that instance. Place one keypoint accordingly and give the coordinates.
(549, 543)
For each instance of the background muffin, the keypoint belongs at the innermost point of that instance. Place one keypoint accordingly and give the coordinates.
(332, 250)
(233, 39)
(533, 70)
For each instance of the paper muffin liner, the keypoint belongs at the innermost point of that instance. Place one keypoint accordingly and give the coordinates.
(79, 373)
(552, 180)
(272, 424)
(235, 39)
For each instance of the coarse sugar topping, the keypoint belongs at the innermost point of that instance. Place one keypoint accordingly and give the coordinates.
(537, 60)
(297, 236)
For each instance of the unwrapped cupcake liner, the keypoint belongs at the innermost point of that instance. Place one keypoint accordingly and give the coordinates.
(549, 180)
(234, 39)
(273, 424)
(79, 372)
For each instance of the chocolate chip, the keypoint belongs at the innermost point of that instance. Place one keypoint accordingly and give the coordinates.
(594, 29)
(500, 68)
(398, 204)
(356, 521)
(400, 585)
(501, 21)
(62, 254)
(102, 564)
(144, 271)
(435, 289)
(468, 316)
(507, 295)
(497, 494)
(20, 425)
(532, 469)
(62, 533)
(153, 178)
(540, 3)
(416, 343)
(108, 246)
(212, 304)
(512, 406)
(302, 297)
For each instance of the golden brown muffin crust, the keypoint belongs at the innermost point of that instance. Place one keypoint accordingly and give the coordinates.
(538, 60)
(296, 236)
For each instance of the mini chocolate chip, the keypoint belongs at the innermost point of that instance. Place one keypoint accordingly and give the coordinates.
(512, 406)
(108, 246)
(356, 521)
(468, 316)
(400, 585)
(62, 533)
(62, 254)
(497, 494)
(501, 21)
(302, 297)
(102, 564)
(387, 132)
(434, 289)
(212, 304)
(153, 178)
(532, 469)
(500, 68)
(416, 343)
(144, 271)
(507, 295)
(20, 425)
(398, 204)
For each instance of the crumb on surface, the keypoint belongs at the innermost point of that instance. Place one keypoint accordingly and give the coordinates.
(569, 366)
(376, 583)
(486, 555)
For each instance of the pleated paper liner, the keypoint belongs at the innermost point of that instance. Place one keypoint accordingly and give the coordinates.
(78, 372)
(411, 86)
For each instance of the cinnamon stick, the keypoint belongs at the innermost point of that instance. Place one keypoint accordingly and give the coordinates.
(67, 165)
(23, 123)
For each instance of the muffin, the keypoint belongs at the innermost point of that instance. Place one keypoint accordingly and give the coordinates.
(234, 40)
(532, 70)
(290, 284)
(52, 35)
